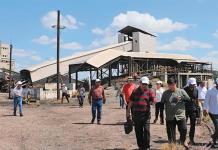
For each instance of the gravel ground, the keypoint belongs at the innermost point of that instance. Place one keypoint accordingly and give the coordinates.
(55, 126)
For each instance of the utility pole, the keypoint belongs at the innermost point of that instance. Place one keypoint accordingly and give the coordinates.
(58, 54)
(10, 77)
(58, 27)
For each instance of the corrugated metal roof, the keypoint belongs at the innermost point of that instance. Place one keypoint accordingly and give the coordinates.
(104, 57)
(98, 58)
(49, 68)
(84, 54)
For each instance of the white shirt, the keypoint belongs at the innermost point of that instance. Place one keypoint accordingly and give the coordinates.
(201, 92)
(17, 92)
(64, 89)
(211, 101)
(159, 93)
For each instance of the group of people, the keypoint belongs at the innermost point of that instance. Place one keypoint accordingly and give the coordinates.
(191, 102)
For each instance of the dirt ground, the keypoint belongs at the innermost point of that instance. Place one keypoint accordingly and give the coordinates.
(54, 126)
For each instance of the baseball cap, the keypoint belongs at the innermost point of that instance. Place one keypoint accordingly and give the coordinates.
(19, 82)
(159, 82)
(192, 81)
(144, 80)
(97, 80)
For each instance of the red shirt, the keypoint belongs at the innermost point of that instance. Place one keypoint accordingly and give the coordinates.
(142, 100)
(127, 90)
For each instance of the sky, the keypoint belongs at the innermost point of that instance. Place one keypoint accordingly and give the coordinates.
(183, 27)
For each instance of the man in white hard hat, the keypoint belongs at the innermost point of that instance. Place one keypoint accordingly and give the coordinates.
(191, 107)
(211, 107)
(139, 104)
(17, 96)
(97, 98)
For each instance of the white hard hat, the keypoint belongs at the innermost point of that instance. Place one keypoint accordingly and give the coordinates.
(19, 83)
(97, 80)
(192, 81)
(144, 80)
(159, 82)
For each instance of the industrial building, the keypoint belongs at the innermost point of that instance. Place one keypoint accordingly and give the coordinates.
(5, 57)
(135, 52)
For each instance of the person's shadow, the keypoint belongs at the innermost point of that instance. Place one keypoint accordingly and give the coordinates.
(11, 115)
(104, 124)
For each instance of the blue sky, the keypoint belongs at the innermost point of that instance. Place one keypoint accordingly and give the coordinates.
(186, 27)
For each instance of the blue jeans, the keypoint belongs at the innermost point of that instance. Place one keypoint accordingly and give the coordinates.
(97, 104)
(81, 99)
(18, 101)
(214, 118)
(121, 101)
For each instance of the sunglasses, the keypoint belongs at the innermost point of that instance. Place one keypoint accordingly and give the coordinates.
(144, 84)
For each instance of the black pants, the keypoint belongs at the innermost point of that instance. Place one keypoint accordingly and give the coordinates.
(214, 118)
(127, 109)
(192, 116)
(159, 108)
(142, 130)
(64, 95)
(171, 130)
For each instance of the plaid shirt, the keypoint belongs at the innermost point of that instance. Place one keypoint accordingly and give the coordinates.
(141, 100)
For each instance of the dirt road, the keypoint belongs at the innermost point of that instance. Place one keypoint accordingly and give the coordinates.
(53, 126)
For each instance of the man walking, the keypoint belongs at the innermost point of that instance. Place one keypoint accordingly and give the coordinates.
(17, 95)
(120, 95)
(159, 107)
(211, 107)
(139, 103)
(202, 90)
(81, 95)
(128, 88)
(64, 93)
(191, 107)
(97, 99)
(174, 101)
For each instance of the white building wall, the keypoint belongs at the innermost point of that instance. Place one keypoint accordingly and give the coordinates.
(5, 56)
(143, 42)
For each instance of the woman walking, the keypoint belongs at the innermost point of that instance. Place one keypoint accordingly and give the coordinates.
(159, 106)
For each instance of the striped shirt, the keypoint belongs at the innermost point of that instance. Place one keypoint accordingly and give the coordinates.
(141, 100)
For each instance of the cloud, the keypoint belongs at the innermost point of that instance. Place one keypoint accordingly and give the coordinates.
(44, 40)
(147, 22)
(211, 57)
(97, 31)
(215, 34)
(21, 53)
(50, 19)
(180, 43)
(213, 54)
(71, 46)
(144, 21)
(36, 58)
(105, 40)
